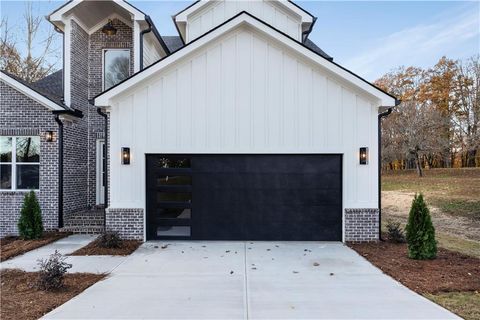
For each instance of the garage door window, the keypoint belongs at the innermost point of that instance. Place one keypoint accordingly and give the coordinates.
(170, 199)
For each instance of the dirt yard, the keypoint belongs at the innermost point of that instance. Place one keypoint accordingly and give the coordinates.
(13, 246)
(21, 300)
(453, 196)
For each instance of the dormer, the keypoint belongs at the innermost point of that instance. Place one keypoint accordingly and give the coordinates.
(204, 15)
(98, 33)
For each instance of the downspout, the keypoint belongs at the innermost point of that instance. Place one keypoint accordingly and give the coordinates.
(105, 167)
(380, 116)
(60, 170)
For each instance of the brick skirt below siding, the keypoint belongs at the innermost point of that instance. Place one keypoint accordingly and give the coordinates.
(361, 225)
(128, 223)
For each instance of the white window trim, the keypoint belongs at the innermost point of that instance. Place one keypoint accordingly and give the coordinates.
(103, 62)
(99, 177)
(14, 164)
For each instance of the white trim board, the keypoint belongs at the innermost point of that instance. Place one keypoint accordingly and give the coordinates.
(29, 92)
(245, 19)
(183, 15)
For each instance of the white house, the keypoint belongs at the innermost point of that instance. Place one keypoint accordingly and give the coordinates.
(244, 133)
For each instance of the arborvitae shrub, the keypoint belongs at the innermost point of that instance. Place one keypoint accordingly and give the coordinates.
(30, 223)
(420, 231)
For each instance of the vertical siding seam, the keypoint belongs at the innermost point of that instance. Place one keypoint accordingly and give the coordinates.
(250, 120)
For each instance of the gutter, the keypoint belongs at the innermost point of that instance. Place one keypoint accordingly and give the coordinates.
(105, 168)
(151, 27)
(60, 170)
(380, 116)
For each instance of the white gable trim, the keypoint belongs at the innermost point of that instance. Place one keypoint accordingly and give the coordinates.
(30, 92)
(244, 18)
(183, 15)
(58, 15)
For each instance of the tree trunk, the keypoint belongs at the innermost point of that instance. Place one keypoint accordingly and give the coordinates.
(418, 164)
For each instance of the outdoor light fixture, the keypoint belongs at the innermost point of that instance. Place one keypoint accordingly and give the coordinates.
(125, 155)
(109, 29)
(49, 136)
(363, 155)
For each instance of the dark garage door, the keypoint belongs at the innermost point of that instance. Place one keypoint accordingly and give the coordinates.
(244, 197)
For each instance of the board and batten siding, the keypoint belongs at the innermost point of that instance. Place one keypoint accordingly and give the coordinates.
(243, 93)
(217, 12)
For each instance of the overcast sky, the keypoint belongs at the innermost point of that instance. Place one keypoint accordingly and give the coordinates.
(369, 38)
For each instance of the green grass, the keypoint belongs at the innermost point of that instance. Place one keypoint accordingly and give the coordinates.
(466, 208)
(464, 304)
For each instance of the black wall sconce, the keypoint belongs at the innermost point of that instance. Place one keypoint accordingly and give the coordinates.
(125, 155)
(363, 155)
(109, 29)
(49, 136)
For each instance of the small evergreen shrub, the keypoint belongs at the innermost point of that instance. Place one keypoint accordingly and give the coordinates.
(110, 240)
(30, 223)
(420, 231)
(52, 272)
(395, 232)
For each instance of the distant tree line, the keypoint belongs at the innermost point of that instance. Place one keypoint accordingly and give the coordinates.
(437, 125)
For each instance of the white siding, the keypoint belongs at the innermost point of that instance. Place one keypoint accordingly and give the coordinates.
(151, 52)
(216, 12)
(243, 93)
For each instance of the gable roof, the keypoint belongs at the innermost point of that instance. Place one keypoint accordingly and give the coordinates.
(307, 19)
(35, 92)
(175, 42)
(51, 85)
(244, 17)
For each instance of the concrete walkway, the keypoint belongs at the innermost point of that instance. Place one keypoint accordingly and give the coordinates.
(245, 280)
(90, 264)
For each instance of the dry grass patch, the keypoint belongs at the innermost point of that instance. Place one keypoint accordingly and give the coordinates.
(20, 299)
(465, 304)
(14, 246)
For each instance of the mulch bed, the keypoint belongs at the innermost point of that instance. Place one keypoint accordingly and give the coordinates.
(21, 300)
(94, 249)
(449, 272)
(14, 246)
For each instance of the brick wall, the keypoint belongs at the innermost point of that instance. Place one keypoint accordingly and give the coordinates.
(22, 116)
(75, 136)
(128, 223)
(361, 225)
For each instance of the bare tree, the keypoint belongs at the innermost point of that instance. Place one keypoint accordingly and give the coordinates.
(33, 56)
(466, 120)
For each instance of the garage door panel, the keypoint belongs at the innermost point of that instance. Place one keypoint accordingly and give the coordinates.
(257, 197)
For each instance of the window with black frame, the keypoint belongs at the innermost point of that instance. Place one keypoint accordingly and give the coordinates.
(19, 163)
(171, 198)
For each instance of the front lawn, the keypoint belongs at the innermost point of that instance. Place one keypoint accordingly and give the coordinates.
(14, 246)
(452, 196)
(451, 280)
(21, 300)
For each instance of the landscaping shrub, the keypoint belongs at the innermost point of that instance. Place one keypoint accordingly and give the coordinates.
(420, 231)
(110, 240)
(30, 223)
(395, 232)
(52, 272)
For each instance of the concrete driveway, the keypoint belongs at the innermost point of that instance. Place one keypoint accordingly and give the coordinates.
(248, 280)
